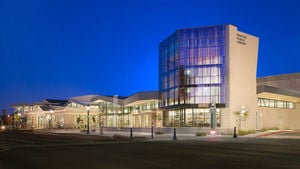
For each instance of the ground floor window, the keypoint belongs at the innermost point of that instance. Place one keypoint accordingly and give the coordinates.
(190, 118)
(262, 102)
(121, 121)
(143, 120)
(81, 121)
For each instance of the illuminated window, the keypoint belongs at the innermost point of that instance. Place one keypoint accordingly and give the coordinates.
(262, 102)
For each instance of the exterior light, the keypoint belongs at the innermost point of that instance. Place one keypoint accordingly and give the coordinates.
(212, 132)
(88, 119)
(243, 112)
(50, 120)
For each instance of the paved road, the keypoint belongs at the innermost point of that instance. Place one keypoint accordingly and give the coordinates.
(61, 151)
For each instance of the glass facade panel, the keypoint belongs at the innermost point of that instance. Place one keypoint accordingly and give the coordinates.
(190, 118)
(262, 102)
(192, 72)
(192, 67)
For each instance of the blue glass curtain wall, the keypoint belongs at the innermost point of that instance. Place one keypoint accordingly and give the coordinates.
(192, 67)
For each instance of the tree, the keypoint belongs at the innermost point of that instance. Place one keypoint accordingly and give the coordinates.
(245, 115)
(79, 122)
(242, 115)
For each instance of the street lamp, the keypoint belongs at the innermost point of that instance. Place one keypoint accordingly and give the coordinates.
(19, 115)
(100, 125)
(19, 120)
(88, 119)
(51, 123)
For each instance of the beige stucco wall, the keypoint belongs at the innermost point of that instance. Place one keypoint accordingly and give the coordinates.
(241, 77)
(69, 120)
(71, 113)
(280, 118)
(294, 118)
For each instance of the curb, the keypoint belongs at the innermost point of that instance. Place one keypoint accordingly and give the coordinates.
(272, 133)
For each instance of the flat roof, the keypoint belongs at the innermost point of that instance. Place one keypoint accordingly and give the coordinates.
(278, 77)
(275, 93)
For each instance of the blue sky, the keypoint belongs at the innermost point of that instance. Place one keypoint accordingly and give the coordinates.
(59, 48)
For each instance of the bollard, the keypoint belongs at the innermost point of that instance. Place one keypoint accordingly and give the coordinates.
(234, 133)
(174, 136)
(152, 130)
(131, 137)
(101, 129)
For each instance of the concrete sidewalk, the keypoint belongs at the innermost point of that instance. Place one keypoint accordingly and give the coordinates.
(158, 137)
(166, 137)
(273, 133)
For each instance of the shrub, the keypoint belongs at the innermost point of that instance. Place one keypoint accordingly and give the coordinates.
(242, 133)
(117, 136)
(263, 129)
(201, 134)
(273, 128)
(266, 129)
(158, 133)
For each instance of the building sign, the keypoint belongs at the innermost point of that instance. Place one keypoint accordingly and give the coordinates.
(241, 39)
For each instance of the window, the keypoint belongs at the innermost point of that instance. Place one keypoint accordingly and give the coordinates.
(262, 102)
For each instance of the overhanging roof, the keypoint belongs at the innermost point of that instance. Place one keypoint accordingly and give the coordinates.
(278, 77)
(24, 104)
(83, 100)
(118, 99)
(278, 93)
(142, 97)
(55, 102)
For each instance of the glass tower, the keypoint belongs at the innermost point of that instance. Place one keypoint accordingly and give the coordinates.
(192, 75)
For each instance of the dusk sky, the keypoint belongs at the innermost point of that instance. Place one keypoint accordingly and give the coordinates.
(59, 49)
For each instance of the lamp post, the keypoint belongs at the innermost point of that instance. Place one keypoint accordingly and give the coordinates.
(88, 119)
(51, 123)
(100, 125)
(19, 121)
(151, 130)
(8, 121)
(212, 110)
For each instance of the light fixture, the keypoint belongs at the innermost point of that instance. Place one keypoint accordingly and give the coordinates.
(88, 119)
